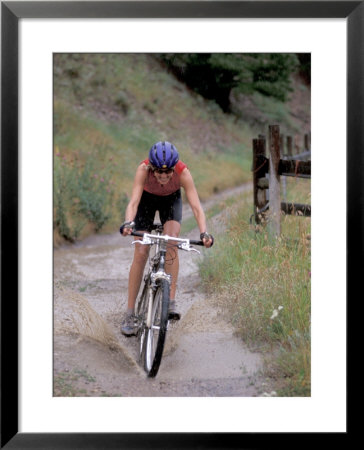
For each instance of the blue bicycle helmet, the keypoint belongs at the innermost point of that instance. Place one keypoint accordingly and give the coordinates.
(163, 155)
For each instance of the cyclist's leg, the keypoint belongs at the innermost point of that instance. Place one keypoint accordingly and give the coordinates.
(172, 228)
(143, 222)
(170, 211)
(136, 273)
(129, 325)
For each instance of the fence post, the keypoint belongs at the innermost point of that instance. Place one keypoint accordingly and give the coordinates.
(289, 145)
(259, 194)
(283, 156)
(274, 182)
(307, 143)
(281, 143)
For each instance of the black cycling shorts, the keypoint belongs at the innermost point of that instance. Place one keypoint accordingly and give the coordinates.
(168, 206)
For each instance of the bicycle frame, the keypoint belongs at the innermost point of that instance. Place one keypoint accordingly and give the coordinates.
(155, 291)
(156, 272)
(157, 264)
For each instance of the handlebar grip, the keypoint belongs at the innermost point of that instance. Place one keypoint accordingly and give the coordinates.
(192, 242)
(126, 224)
(137, 233)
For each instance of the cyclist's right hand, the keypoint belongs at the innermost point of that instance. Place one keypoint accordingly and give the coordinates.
(207, 239)
(127, 228)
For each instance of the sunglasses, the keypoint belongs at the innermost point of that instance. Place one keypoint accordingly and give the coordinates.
(166, 171)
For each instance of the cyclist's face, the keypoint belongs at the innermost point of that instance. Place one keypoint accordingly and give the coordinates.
(163, 177)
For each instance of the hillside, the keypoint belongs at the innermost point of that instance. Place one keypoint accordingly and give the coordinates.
(109, 109)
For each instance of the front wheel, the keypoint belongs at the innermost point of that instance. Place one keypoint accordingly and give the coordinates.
(156, 334)
(141, 312)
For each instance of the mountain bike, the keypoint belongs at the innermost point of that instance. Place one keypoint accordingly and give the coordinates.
(152, 306)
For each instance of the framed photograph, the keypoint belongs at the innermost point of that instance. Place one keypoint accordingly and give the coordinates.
(34, 36)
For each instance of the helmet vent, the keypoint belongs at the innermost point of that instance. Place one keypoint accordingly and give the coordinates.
(164, 151)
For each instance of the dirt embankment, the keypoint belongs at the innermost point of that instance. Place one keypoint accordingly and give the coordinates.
(202, 356)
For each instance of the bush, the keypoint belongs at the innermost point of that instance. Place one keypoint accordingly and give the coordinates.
(214, 75)
(82, 196)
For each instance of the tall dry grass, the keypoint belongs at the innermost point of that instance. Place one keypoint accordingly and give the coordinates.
(264, 285)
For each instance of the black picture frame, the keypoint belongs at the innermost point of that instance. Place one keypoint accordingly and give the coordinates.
(11, 13)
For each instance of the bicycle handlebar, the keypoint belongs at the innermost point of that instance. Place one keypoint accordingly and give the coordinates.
(136, 233)
(193, 242)
(165, 237)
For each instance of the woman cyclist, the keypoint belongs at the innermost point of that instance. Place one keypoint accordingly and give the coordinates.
(157, 187)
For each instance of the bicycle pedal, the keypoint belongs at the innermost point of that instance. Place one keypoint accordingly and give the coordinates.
(174, 316)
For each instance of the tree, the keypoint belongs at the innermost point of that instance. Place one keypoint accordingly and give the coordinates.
(214, 75)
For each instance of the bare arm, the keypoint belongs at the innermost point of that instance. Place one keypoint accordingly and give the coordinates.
(192, 197)
(137, 191)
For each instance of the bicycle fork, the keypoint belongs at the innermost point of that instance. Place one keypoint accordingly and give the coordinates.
(160, 274)
(150, 307)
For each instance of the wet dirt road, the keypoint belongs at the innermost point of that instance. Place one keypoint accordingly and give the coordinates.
(202, 356)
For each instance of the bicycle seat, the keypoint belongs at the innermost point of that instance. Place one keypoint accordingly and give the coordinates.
(157, 227)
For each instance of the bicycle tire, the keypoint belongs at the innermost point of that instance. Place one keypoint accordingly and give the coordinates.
(156, 335)
(141, 312)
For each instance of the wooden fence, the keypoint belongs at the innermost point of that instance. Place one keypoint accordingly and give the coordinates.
(267, 173)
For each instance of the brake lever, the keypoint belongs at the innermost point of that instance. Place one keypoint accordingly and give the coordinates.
(188, 248)
(146, 241)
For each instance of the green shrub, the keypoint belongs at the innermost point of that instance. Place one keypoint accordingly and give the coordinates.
(215, 75)
(82, 195)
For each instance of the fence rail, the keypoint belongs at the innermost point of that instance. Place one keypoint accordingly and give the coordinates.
(267, 172)
(286, 167)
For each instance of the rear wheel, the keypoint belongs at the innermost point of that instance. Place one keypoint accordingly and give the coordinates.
(155, 336)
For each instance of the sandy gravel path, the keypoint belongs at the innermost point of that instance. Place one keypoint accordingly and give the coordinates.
(202, 357)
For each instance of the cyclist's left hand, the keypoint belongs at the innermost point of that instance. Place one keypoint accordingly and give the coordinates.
(207, 239)
(126, 228)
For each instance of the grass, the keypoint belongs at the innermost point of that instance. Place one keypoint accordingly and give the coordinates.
(108, 110)
(190, 223)
(65, 383)
(263, 284)
(298, 190)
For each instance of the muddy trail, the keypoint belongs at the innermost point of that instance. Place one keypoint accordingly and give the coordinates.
(202, 356)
